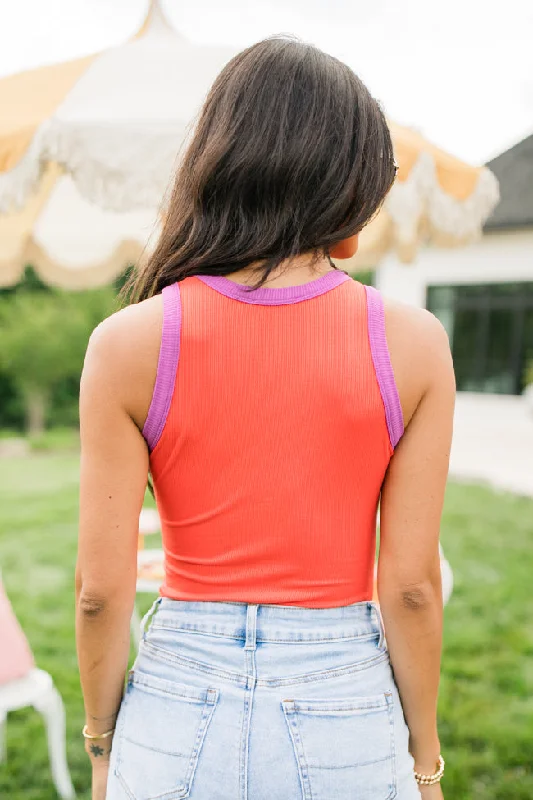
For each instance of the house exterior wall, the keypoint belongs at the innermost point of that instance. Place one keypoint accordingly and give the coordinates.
(495, 258)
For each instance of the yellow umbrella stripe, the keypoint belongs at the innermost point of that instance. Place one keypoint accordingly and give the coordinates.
(455, 177)
(32, 97)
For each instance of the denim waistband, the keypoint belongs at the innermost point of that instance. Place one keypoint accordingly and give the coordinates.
(263, 623)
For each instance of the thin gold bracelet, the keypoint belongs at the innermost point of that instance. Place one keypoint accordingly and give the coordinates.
(431, 780)
(87, 735)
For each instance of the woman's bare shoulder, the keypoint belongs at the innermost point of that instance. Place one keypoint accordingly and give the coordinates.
(419, 350)
(130, 336)
(123, 352)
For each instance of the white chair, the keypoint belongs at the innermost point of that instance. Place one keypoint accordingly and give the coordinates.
(37, 689)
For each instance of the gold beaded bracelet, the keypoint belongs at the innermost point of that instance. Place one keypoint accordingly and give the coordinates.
(431, 780)
(87, 735)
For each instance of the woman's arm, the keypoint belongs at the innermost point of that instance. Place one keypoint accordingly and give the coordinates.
(409, 582)
(114, 397)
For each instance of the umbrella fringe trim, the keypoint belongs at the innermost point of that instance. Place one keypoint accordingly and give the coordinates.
(136, 172)
(89, 275)
(414, 204)
(420, 198)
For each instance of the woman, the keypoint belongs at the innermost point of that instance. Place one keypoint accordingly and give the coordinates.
(267, 393)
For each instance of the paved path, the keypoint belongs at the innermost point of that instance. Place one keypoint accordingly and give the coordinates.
(493, 442)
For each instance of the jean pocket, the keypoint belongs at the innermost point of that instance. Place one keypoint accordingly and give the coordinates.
(161, 731)
(344, 748)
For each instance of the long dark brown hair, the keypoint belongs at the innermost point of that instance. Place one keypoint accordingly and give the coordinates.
(291, 154)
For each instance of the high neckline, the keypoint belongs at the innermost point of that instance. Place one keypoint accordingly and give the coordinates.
(275, 296)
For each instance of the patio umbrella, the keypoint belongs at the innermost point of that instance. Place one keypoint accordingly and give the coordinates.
(70, 241)
(436, 199)
(87, 149)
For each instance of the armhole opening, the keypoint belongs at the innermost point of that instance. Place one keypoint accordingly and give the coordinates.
(167, 366)
(383, 366)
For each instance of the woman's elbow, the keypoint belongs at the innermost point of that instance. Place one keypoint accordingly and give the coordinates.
(418, 596)
(92, 603)
(96, 601)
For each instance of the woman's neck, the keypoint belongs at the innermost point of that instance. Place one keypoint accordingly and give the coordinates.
(292, 272)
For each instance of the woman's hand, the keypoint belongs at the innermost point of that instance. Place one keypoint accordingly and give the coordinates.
(99, 783)
(427, 792)
(99, 751)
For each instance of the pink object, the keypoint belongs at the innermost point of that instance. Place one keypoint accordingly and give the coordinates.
(16, 659)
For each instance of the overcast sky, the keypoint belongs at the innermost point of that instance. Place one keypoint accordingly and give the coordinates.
(461, 71)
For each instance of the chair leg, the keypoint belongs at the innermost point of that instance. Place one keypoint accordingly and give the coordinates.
(50, 705)
(3, 749)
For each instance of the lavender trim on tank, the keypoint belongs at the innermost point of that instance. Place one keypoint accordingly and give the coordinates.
(167, 366)
(383, 366)
(270, 296)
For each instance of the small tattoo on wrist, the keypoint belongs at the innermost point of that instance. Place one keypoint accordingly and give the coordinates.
(96, 750)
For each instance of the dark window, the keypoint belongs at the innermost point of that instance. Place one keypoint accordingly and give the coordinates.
(491, 333)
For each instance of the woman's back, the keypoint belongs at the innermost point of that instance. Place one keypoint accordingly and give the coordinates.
(272, 423)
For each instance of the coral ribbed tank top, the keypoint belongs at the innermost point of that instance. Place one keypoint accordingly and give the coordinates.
(273, 421)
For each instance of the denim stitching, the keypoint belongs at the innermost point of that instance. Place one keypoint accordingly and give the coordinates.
(294, 732)
(124, 786)
(322, 639)
(198, 744)
(199, 697)
(160, 653)
(291, 711)
(196, 630)
(314, 707)
(359, 764)
(347, 637)
(326, 674)
(250, 645)
(170, 753)
(394, 787)
(181, 792)
(242, 755)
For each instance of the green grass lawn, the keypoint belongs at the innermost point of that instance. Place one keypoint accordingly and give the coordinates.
(486, 704)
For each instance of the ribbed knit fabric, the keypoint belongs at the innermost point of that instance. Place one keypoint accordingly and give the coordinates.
(271, 441)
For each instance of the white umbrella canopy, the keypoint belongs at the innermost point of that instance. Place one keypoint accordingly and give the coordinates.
(83, 199)
(88, 148)
(70, 241)
(119, 127)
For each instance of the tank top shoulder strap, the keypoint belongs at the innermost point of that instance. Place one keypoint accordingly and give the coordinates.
(167, 366)
(170, 350)
(382, 364)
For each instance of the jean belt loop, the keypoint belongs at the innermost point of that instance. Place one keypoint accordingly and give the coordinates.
(251, 627)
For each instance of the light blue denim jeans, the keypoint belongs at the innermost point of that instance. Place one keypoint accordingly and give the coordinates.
(228, 701)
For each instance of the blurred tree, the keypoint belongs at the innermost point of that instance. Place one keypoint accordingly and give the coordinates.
(29, 281)
(43, 341)
(367, 276)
